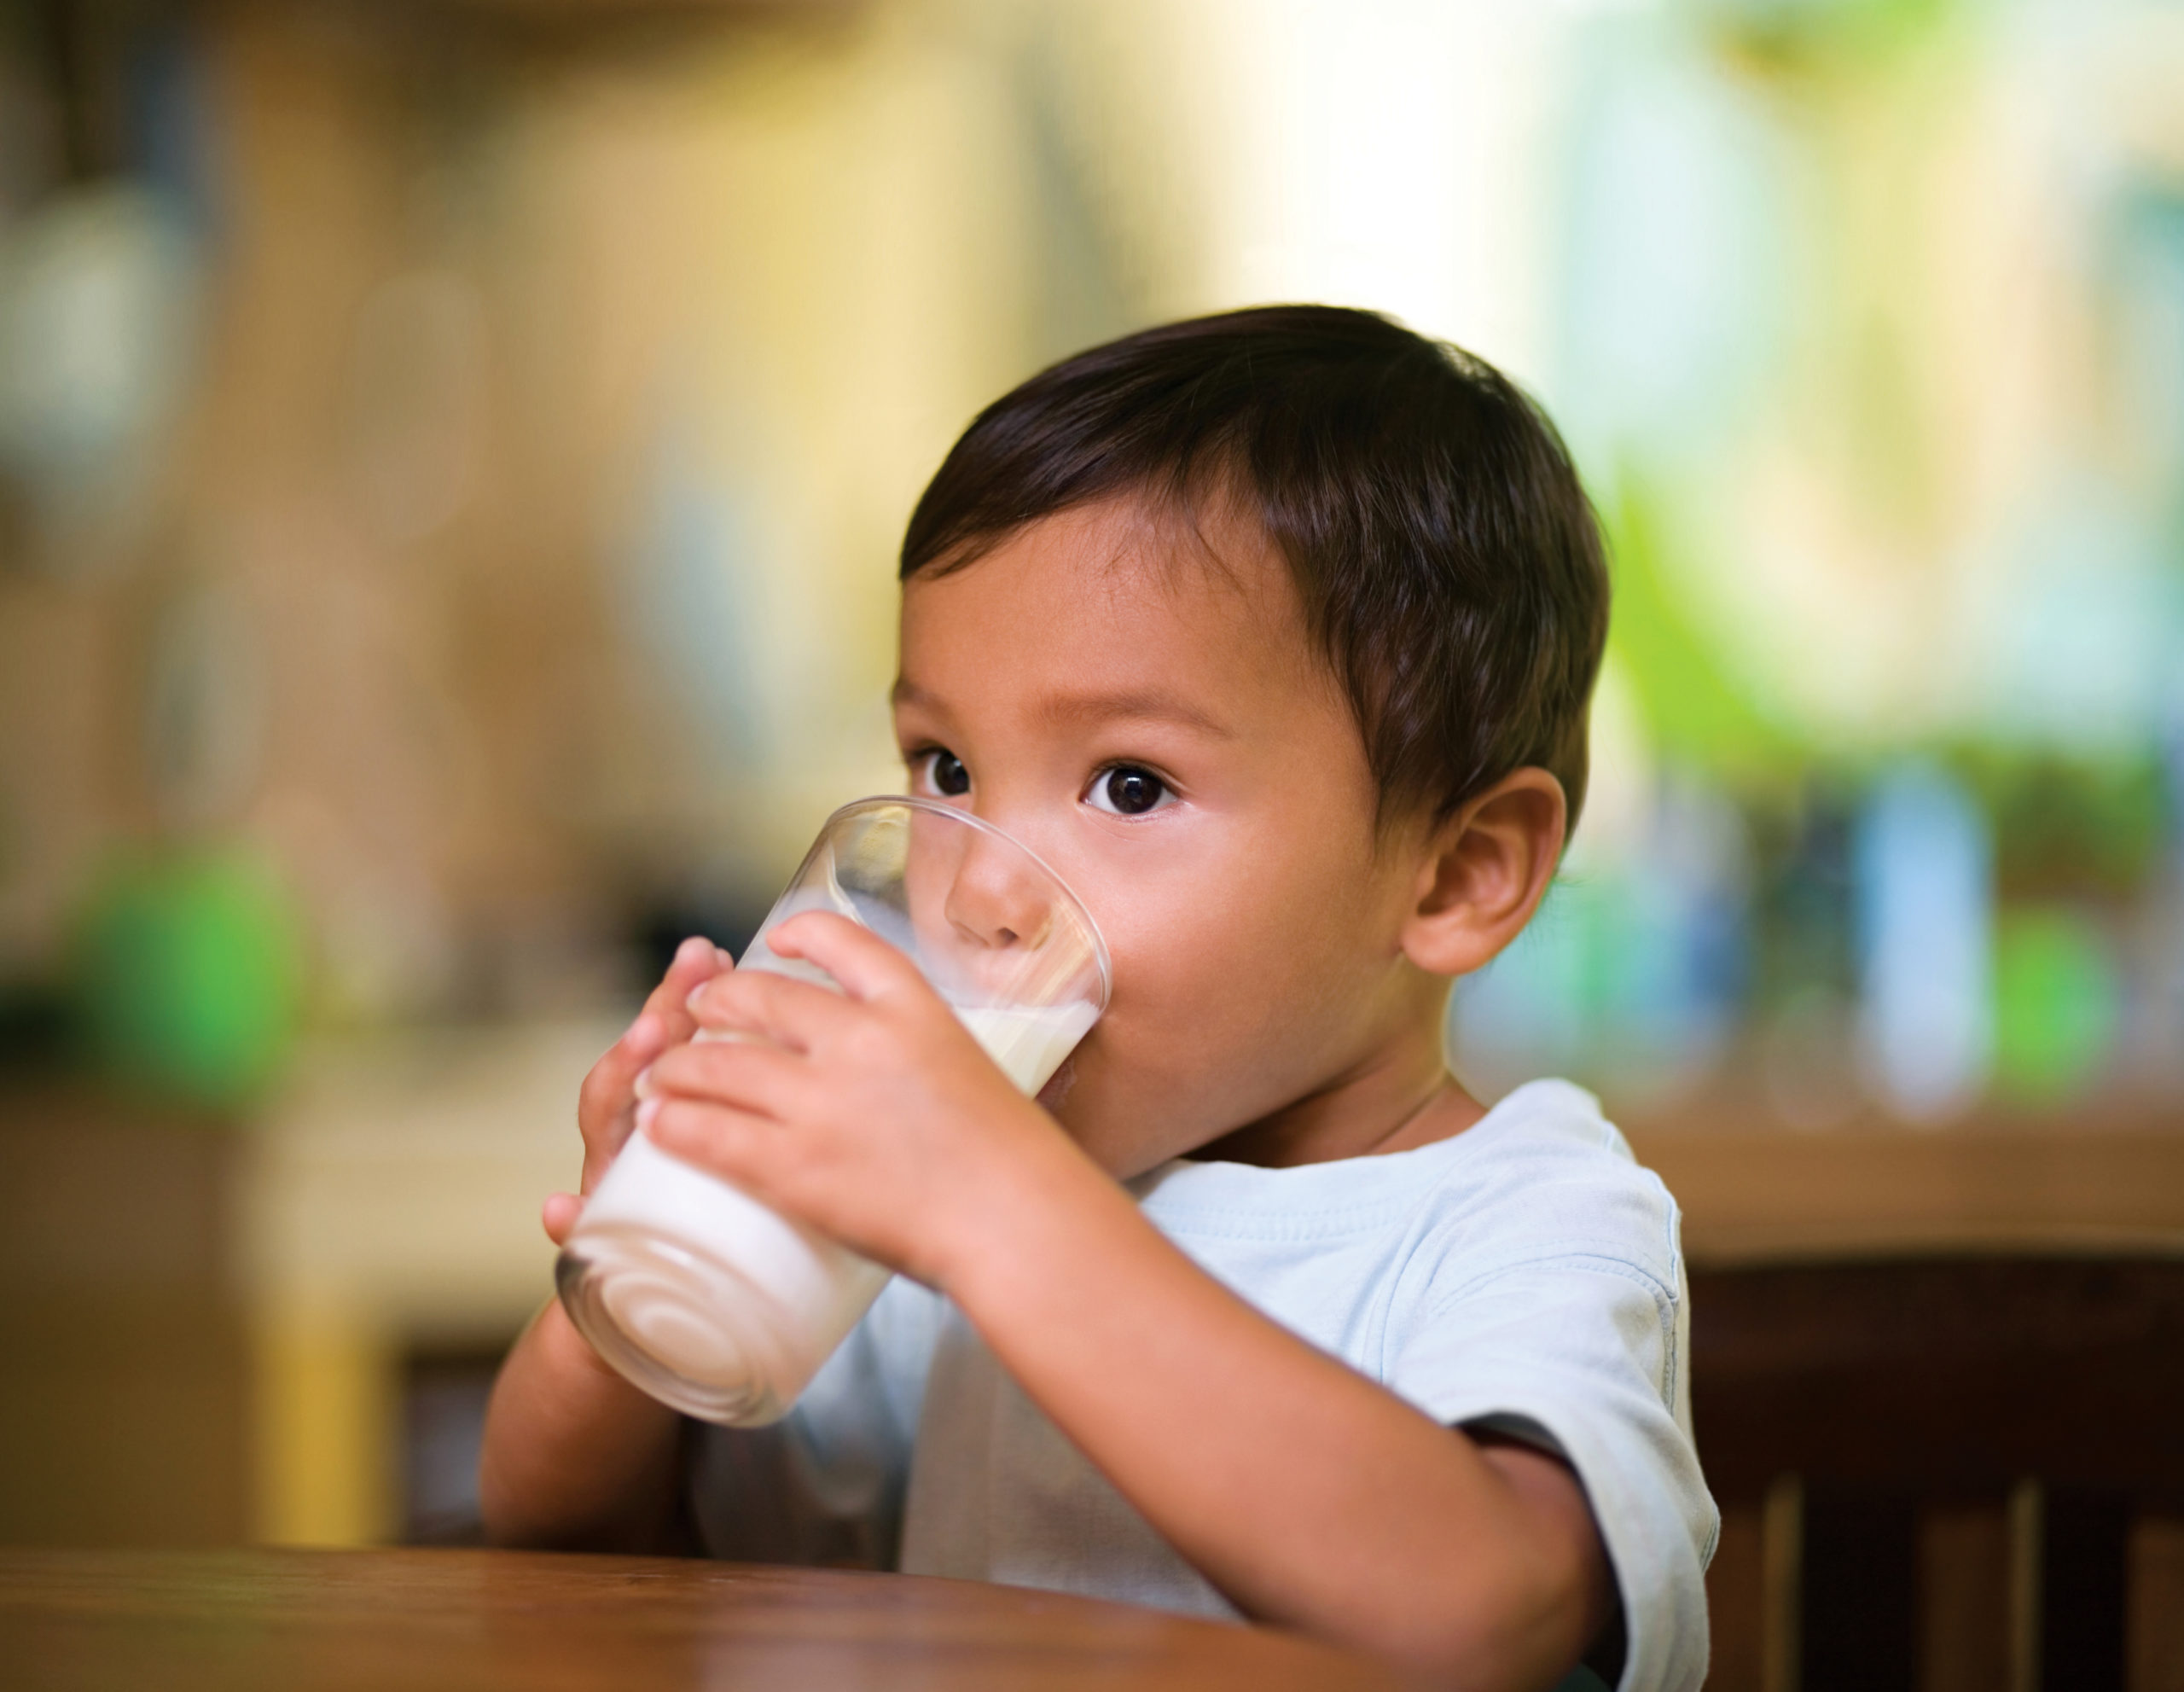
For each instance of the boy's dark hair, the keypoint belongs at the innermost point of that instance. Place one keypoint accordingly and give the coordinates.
(1448, 560)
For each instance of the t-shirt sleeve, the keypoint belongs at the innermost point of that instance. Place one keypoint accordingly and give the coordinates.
(1583, 1353)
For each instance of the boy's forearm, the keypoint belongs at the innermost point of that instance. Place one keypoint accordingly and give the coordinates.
(575, 1458)
(1308, 1494)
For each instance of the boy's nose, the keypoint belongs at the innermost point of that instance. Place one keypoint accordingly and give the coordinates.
(996, 900)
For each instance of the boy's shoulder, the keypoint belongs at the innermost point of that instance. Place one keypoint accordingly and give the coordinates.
(1545, 1174)
(1553, 1135)
(1542, 1174)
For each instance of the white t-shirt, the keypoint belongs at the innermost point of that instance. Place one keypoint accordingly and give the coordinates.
(1524, 1275)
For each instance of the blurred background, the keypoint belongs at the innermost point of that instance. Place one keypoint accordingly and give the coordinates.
(451, 456)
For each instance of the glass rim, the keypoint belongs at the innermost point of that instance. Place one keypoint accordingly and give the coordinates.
(934, 807)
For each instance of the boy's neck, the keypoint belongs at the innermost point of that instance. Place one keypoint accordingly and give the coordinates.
(1402, 1099)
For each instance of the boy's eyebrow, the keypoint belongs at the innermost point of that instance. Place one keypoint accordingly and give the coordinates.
(1132, 703)
(1139, 704)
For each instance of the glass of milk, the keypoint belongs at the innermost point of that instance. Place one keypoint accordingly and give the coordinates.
(719, 1306)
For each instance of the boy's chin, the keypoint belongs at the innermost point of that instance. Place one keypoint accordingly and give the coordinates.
(1080, 1118)
(1119, 1134)
(1122, 1151)
(1060, 1085)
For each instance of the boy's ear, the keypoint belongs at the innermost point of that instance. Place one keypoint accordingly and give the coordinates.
(1485, 873)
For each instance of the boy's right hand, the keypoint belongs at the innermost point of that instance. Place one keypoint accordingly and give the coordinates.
(607, 1103)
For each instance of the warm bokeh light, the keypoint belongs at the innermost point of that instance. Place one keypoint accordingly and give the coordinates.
(452, 460)
(455, 467)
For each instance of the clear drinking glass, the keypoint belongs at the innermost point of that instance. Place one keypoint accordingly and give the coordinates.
(721, 1307)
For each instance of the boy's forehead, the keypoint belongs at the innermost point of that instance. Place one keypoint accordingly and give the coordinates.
(1200, 601)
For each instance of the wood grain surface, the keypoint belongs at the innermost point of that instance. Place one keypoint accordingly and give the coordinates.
(420, 1621)
(1751, 1198)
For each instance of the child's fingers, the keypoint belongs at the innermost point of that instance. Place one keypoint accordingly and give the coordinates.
(744, 1147)
(603, 1102)
(755, 1076)
(606, 1092)
(697, 961)
(560, 1214)
(866, 966)
(776, 1008)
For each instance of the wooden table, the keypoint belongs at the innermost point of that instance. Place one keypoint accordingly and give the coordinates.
(421, 1619)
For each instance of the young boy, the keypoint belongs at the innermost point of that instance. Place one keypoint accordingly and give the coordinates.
(1273, 633)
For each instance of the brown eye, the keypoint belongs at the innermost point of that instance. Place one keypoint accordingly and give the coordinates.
(950, 778)
(1126, 790)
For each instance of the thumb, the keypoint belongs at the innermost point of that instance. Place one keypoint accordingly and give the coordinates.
(559, 1215)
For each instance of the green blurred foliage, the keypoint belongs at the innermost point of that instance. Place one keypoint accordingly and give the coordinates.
(188, 977)
(1821, 35)
(2070, 826)
(2058, 1002)
(1695, 710)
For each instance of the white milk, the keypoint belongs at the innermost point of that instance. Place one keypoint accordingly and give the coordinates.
(1029, 1045)
(720, 1306)
(709, 1285)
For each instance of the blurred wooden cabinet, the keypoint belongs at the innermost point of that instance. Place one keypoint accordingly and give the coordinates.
(207, 1324)
(389, 1207)
(123, 1351)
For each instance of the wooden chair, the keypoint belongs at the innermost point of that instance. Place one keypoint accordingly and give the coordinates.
(1945, 1474)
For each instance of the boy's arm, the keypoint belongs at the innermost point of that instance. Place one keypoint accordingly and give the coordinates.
(574, 1457)
(1308, 1494)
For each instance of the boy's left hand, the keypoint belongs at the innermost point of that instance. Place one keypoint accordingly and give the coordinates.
(871, 1114)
